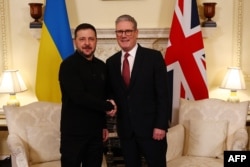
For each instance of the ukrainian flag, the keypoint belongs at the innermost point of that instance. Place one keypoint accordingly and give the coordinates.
(55, 45)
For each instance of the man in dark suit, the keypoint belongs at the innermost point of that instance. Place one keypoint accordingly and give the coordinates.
(142, 100)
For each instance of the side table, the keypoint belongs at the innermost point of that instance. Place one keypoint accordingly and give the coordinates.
(3, 125)
(4, 151)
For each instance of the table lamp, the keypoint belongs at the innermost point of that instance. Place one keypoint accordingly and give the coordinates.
(233, 81)
(12, 83)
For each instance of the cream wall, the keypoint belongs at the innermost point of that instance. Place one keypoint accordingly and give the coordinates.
(219, 46)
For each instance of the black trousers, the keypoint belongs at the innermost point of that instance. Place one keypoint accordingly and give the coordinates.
(152, 150)
(81, 151)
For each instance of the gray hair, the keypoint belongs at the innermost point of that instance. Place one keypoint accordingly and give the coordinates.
(126, 17)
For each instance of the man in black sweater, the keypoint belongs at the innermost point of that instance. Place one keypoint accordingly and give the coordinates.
(83, 85)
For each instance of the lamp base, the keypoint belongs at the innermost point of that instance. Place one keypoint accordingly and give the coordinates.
(233, 97)
(13, 101)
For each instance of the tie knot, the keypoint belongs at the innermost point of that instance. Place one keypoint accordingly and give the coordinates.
(126, 55)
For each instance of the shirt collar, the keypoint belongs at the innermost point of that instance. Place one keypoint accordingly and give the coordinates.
(132, 52)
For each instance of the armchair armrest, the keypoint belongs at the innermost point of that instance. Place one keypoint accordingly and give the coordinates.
(18, 154)
(175, 139)
(240, 140)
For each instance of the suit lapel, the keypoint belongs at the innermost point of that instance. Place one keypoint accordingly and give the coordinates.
(136, 68)
(137, 65)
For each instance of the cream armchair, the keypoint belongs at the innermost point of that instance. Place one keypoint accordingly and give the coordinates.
(34, 134)
(206, 128)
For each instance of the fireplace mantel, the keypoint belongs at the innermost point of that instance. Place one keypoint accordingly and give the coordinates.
(149, 37)
(161, 33)
(155, 38)
(144, 33)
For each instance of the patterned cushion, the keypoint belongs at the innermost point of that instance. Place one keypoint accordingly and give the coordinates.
(44, 143)
(175, 139)
(213, 109)
(200, 142)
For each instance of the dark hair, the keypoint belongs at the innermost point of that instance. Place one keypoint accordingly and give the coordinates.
(127, 17)
(84, 26)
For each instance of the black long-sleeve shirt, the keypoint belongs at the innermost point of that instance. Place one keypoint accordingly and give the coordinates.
(83, 87)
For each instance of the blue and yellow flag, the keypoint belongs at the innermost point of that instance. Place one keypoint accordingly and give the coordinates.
(55, 45)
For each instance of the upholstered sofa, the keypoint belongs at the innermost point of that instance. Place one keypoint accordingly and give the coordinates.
(34, 134)
(206, 128)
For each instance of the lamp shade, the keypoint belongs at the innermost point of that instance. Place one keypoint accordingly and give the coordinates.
(233, 79)
(12, 82)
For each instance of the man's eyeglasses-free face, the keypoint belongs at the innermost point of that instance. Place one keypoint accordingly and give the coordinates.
(126, 32)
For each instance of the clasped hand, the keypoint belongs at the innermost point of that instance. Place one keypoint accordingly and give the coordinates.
(112, 112)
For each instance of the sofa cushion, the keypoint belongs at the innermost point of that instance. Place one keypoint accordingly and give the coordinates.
(213, 109)
(44, 143)
(207, 138)
(175, 139)
(191, 161)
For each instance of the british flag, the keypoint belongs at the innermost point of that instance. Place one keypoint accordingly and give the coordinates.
(185, 56)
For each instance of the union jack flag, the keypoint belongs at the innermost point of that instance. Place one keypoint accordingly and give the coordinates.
(185, 56)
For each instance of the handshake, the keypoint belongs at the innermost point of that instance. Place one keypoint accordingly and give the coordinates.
(114, 110)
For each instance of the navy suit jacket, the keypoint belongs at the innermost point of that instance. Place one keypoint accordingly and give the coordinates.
(144, 105)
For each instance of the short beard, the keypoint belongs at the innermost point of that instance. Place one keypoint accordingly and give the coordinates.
(86, 56)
